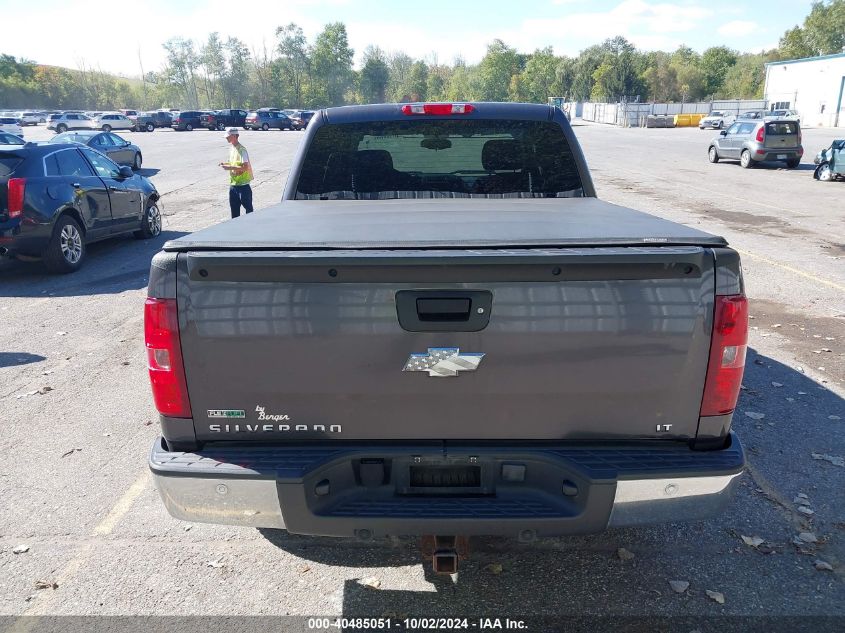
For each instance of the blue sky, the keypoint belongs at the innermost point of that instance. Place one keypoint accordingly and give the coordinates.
(423, 28)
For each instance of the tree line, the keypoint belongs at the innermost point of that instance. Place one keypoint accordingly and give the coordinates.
(293, 72)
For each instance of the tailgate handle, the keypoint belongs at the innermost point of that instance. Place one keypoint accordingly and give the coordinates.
(443, 310)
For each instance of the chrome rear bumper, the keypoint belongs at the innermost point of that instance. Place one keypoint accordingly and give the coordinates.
(204, 487)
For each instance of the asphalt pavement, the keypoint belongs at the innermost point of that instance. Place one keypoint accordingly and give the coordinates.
(78, 422)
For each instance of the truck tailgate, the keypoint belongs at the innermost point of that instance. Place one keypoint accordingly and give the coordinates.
(577, 343)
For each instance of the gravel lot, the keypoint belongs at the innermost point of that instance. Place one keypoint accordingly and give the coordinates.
(74, 485)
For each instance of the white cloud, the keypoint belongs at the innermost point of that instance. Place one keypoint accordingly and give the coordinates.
(649, 25)
(418, 41)
(738, 28)
(100, 42)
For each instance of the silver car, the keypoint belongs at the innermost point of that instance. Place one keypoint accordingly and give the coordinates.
(783, 115)
(109, 121)
(118, 149)
(751, 115)
(753, 142)
(70, 121)
(717, 120)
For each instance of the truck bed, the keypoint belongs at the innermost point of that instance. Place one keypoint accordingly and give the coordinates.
(443, 223)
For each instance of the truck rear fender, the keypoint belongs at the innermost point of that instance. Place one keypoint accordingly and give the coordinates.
(178, 432)
(713, 430)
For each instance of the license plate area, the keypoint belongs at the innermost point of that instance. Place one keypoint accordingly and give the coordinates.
(445, 476)
(438, 477)
(781, 156)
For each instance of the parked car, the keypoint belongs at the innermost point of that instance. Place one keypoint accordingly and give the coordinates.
(28, 118)
(11, 125)
(830, 162)
(187, 120)
(780, 115)
(751, 115)
(716, 120)
(753, 142)
(300, 118)
(266, 119)
(149, 121)
(222, 119)
(57, 198)
(109, 121)
(10, 139)
(118, 149)
(132, 115)
(71, 121)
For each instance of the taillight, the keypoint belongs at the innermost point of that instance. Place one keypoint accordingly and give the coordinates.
(15, 196)
(438, 108)
(727, 355)
(761, 134)
(164, 358)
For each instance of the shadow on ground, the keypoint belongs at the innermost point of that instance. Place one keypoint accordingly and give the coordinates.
(112, 266)
(15, 359)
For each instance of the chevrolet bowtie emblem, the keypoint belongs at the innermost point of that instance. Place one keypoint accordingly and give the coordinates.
(443, 361)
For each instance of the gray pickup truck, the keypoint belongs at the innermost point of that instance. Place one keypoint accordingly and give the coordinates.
(442, 331)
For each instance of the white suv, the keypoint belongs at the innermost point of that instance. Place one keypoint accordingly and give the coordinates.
(109, 121)
(11, 125)
(28, 118)
(71, 121)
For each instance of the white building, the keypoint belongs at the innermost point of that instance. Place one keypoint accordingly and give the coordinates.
(814, 87)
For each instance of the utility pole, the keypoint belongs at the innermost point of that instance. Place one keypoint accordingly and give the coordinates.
(143, 78)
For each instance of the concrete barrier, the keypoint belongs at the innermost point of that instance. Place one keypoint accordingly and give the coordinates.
(659, 121)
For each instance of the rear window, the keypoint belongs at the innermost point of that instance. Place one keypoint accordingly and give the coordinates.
(782, 128)
(8, 120)
(8, 164)
(443, 158)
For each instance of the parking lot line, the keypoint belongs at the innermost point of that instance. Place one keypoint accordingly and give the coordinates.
(122, 506)
(105, 527)
(766, 260)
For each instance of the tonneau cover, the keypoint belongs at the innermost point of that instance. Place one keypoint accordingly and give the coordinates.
(441, 223)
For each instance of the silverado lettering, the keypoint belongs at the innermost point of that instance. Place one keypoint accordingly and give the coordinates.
(272, 428)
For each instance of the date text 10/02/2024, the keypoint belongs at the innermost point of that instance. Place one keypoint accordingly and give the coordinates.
(416, 624)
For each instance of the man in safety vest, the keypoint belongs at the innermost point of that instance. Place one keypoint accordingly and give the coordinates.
(240, 175)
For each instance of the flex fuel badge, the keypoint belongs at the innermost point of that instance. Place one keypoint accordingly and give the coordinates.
(226, 413)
